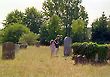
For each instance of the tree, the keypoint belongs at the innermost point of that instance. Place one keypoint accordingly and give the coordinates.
(54, 27)
(51, 29)
(78, 30)
(13, 32)
(14, 17)
(33, 19)
(100, 30)
(44, 34)
(67, 10)
(1, 35)
(29, 38)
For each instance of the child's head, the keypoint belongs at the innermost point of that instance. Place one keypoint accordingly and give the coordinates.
(58, 37)
(51, 41)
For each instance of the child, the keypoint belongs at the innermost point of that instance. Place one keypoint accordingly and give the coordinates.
(56, 41)
(52, 47)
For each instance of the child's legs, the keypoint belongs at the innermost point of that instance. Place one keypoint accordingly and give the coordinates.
(53, 52)
(56, 51)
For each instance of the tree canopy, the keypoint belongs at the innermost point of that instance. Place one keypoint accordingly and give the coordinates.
(50, 29)
(33, 19)
(13, 32)
(101, 30)
(67, 10)
(15, 16)
(78, 30)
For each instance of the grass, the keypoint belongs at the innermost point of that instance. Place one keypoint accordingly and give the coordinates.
(36, 62)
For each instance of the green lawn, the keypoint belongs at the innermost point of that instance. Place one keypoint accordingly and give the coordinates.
(36, 62)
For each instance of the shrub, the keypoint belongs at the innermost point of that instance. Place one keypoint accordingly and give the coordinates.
(13, 32)
(102, 52)
(90, 49)
(29, 38)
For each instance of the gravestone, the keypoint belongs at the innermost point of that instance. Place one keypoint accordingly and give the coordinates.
(8, 50)
(37, 44)
(17, 47)
(67, 46)
(23, 46)
(96, 57)
(79, 59)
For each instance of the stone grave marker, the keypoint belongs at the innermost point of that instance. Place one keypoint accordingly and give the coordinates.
(8, 50)
(67, 46)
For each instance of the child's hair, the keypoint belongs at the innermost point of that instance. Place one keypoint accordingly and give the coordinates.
(51, 41)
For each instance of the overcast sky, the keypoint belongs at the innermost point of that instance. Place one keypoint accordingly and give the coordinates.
(93, 7)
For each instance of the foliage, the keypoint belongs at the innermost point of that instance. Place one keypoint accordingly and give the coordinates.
(90, 49)
(29, 38)
(50, 29)
(43, 35)
(102, 52)
(14, 17)
(67, 10)
(100, 30)
(13, 32)
(33, 19)
(1, 36)
(79, 32)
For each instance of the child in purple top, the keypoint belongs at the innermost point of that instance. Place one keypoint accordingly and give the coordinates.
(52, 47)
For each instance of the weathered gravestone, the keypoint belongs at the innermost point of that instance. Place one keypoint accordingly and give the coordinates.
(17, 47)
(79, 59)
(67, 46)
(23, 46)
(37, 44)
(8, 50)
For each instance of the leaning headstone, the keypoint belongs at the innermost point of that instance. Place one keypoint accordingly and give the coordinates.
(79, 59)
(17, 47)
(96, 58)
(67, 46)
(8, 50)
(37, 44)
(23, 46)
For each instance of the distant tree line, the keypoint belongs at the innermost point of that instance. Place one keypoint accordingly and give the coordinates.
(101, 30)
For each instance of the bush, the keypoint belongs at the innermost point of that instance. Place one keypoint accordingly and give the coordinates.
(102, 52)
(90, 49)
(13, 32)
(29, 38)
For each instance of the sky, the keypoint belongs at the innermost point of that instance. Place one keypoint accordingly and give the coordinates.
(94, 8)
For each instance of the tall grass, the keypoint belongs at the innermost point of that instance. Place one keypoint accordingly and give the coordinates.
(36, 62)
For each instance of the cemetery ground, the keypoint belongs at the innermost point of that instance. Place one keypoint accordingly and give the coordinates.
(36, 62)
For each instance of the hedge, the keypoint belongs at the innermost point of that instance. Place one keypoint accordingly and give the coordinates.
(90, 49)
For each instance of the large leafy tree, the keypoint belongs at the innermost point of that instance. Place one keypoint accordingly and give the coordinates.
(100, 30)
(51, 29)
(67, 10)
(14, 17)
(13, 32)
(78, 30)
(33, 19)
(44, 34)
